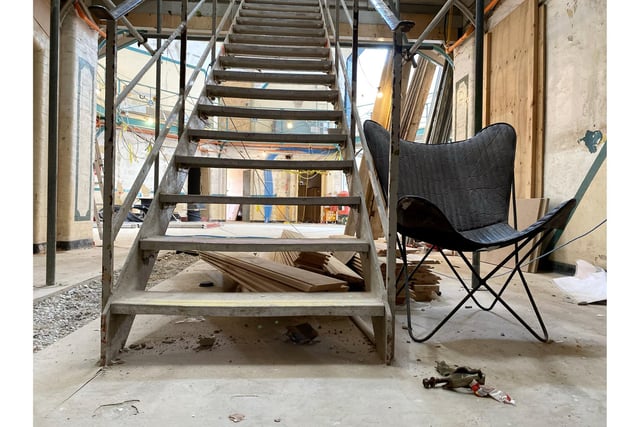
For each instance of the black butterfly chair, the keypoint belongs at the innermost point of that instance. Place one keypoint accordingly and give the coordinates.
(456, 196)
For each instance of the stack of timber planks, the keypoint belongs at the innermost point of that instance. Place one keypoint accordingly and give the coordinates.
(423, 284)
(259, 274)
(291, 271)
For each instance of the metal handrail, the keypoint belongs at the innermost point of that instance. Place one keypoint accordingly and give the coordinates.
(164, 132)
(123, 94)
(390, 18)
(111, 222)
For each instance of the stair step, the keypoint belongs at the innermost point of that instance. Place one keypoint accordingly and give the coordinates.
(277, 40)
(213, 162)
(285, 23)
(285, 14)
(278, 30)
(269, 113)
(289, 3)
(275, 64)
(248, 304)
(255, 76)
(276, 94)
(268, 137)
(250, 244)
(281, 8)
(172, 199)
(288, 51)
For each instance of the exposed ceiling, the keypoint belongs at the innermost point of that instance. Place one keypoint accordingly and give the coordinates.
(426, 7)
(458, 12)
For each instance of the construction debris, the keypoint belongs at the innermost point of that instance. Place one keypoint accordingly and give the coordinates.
(292, 271)
(301, 334)
(258, 274)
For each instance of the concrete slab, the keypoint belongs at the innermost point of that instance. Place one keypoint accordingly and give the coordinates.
(215, 371)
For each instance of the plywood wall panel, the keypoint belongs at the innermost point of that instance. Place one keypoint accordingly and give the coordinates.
(512, 93)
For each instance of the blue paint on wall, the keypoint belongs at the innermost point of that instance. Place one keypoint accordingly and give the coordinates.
(591, 140)
(268, 188)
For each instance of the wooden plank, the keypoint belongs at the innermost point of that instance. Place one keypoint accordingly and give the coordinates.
(297, 278)
(512, 90)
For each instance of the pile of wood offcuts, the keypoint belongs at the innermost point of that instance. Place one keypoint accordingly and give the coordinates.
(306, 271)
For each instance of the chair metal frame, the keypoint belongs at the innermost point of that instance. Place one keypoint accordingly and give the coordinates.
(420, 219)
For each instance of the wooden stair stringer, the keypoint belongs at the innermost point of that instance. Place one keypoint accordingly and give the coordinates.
(138, 266)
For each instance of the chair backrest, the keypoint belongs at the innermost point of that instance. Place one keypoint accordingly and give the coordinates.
(470, 181)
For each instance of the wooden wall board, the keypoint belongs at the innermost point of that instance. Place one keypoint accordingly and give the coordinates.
(513, 64)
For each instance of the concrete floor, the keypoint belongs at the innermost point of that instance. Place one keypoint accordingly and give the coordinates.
(185, 371)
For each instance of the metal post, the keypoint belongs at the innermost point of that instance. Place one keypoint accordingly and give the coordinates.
(109, 160)
(52, 154)
(156, 164)
(354, 71)
(478, 101)
(183, 68)
(214, 32)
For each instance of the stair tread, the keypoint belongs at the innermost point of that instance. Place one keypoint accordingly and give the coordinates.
(273, 77)
(284, 2)
(250, 244)
(280, 7)
(278, 30)
(352, 201)
(248, 303)
(278, 94)
(268, 137)
(277, 40)
(276, 51)
(197, 161)
(230, 61)
(283, 23)
(269, 113)
(282, 14)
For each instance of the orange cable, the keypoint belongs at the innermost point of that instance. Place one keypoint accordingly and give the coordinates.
(85, 18)
(488, 8)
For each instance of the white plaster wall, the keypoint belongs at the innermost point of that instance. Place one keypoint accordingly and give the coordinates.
(78, 61)
(575, 102)
(40, 132)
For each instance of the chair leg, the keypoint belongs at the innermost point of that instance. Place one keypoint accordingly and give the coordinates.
(402, 245)
(543, 336)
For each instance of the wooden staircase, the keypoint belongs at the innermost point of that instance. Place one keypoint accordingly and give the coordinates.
(281, 43)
